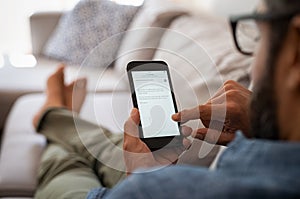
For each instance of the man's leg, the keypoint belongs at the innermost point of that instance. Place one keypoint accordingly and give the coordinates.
(102, 149)
(64, 174)
(70, 165)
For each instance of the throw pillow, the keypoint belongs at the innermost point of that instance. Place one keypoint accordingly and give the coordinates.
(86, 26)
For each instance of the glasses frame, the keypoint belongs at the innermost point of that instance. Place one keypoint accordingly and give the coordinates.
(256, 17)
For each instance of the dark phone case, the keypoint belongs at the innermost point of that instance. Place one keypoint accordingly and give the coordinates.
(157, 142)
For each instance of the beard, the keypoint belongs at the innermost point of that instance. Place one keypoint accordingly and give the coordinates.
(263, 107)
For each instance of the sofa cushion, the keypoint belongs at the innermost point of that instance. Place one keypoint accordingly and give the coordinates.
(87, 25)
(22, 147)
(20, 159)
(145, 31)
(226, 8)
(201, 55)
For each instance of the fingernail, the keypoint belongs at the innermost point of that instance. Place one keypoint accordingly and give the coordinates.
(61, 65)
(133, 112)
(175, 116)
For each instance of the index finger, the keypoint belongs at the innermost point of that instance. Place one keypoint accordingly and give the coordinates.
(188, 114)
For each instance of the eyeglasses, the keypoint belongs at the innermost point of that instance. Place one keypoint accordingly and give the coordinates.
(246, 34)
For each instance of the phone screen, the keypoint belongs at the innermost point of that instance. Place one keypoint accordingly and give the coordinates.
(155, 103)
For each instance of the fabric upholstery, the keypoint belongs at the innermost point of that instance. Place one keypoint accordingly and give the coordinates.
(22, 147)
(86, 26)
(144, 34)
(201, 55)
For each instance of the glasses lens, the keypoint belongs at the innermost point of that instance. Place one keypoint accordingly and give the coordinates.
(248, 35)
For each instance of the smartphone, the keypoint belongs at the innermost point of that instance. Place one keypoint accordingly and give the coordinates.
(153, 96)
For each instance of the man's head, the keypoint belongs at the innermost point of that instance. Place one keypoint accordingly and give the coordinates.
(276, 100)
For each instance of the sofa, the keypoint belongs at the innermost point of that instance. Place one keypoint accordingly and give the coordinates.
(196, 44)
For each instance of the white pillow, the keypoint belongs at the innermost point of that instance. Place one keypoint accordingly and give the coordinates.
(201, 55)
(145, 32)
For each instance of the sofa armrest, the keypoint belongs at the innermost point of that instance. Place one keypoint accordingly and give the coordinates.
(42, 24)
(22, 148)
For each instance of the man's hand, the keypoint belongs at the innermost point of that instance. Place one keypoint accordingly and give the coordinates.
(231, 98)
(138, 155)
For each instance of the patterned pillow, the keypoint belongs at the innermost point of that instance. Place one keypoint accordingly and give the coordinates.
(85, 27)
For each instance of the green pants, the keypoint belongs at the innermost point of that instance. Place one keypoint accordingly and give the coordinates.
(80, 156)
